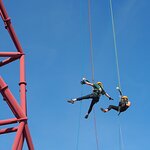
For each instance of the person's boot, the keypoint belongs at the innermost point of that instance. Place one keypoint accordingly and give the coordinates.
(72, 101)
(86, 116)
(104, 110)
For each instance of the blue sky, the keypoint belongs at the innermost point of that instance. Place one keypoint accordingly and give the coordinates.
(55, 37)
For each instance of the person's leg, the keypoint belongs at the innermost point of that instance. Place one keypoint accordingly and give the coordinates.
(85, 97)
(110, 107)
(122, 109)
(93, 102)
(81, 98)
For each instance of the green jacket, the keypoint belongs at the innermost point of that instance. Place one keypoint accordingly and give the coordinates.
(98, 89)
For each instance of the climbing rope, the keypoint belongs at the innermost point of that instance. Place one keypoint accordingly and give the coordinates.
(95, 126)
(92, 66)
(121, 138)
(115, 44)
(118, 72)
(91, 41)
(79, 125)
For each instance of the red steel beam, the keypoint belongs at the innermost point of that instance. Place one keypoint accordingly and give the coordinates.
(18, 136)
(20, 147)
(23, 84)
(8, 60)
(17, 110)
(11, 121)
(9, 27)
(28, 137)
(20, 111)
(10, 54)
(8, 130)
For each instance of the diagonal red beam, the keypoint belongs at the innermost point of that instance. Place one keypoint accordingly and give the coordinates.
(18, 135)
(10, 99)
(20, 147)
(28, 137)
(8, 60)
(8, 130)
(9, 27)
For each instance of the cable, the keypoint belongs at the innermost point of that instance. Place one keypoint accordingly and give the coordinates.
(92, 66)
(96, 135)
(115, 44)
(121, 143)
(91, 41)
(79, 125)
(118, 72)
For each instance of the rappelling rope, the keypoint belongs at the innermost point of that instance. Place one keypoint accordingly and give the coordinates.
(91, 41)
(121, 137)
(118, 72)
(95, 126)
(92, 66)
(79, 126)
(115, 44)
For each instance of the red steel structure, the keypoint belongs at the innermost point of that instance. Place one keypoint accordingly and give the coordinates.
(18, 109)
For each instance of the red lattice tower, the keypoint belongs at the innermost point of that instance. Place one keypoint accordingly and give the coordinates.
(19, 110)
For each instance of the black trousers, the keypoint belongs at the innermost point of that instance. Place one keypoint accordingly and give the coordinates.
(95, 98)
(118, 108)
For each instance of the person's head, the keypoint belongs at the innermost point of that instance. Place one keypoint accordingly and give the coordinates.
(124, 98)
(100, 84)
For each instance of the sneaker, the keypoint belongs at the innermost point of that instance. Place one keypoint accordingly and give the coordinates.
(86, 116)
(102, 109)
(71, 101)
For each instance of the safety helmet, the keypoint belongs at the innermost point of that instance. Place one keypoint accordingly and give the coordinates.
(100, 84)
(124, 97)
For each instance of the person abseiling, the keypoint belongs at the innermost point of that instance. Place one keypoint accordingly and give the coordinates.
(95, 95)
(124, 104)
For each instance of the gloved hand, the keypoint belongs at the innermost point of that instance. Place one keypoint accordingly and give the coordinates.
(111, 98)
(82, 82)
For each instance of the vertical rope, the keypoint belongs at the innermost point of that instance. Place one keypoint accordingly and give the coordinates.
(121, 138)
(121, 143)
(115, 44)
(79, 125)
(96, 135)
(92, 66)
(118, 72)
(91, 41)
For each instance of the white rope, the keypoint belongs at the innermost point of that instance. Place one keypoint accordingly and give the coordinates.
(91, 41)
(79, 126)
(92, 66)
(118, 72)
(121, 139)
(115, 44)
(121, 143)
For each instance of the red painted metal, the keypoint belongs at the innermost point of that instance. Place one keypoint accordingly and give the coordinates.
(8, 60)
(10, 54)
(18, 109)
(8, 130)
(18, 135)
(11, 121)
(9, 27)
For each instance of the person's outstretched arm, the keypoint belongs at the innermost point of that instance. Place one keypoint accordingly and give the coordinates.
(85, 81)
(107, 95)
